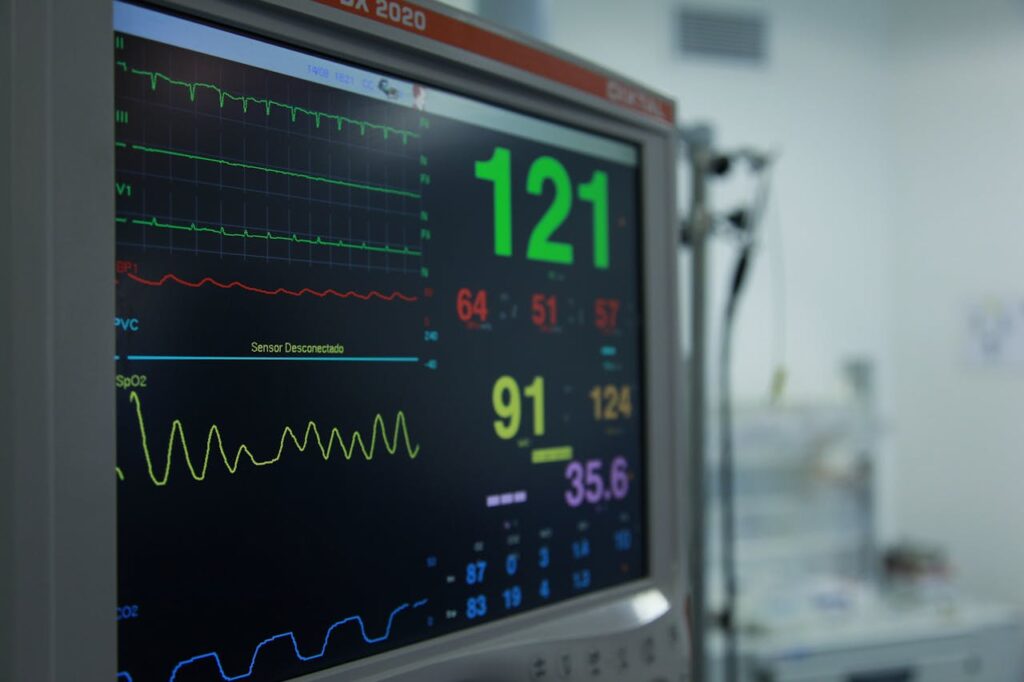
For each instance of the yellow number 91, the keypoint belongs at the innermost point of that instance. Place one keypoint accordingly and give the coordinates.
(508, 406)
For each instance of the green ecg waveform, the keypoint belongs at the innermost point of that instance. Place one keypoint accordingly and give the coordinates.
(274, 171)
(155, 77)
(215, 443)
(268, 236)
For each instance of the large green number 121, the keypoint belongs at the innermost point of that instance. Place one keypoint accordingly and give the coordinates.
(544, 171)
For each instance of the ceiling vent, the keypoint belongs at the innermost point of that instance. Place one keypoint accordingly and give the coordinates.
(723, 34)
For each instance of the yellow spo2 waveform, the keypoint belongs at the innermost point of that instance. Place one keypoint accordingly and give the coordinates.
(215, 443)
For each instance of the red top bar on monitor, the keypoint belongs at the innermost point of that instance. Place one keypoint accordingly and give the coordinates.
(410, 17)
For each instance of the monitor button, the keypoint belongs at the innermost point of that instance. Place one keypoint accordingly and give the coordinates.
(564, 667)
(673, 635)
(647, 650)
(622, 659)
(539, 668)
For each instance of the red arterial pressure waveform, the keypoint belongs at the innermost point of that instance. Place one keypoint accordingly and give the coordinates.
(393, 296)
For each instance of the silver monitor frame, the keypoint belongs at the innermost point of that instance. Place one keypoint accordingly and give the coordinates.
(58, 525)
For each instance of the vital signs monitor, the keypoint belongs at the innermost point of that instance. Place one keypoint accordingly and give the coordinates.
(392, 388)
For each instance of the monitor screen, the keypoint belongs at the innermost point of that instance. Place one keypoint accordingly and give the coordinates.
(378, 357)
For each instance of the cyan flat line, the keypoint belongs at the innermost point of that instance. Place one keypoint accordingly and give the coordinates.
(273, 358)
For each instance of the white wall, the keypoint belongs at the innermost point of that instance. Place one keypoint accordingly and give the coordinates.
(463, 5)
(958, 234)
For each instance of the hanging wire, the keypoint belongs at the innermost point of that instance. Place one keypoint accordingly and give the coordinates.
(748, 224)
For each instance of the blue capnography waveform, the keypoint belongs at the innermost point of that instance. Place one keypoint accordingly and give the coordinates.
(295, 646)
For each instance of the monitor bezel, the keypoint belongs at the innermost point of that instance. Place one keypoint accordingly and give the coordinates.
(64, 497)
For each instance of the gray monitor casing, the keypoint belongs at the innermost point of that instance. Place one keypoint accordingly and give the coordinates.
(58, 586)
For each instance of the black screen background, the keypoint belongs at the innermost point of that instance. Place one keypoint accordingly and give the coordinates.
(220, 565)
